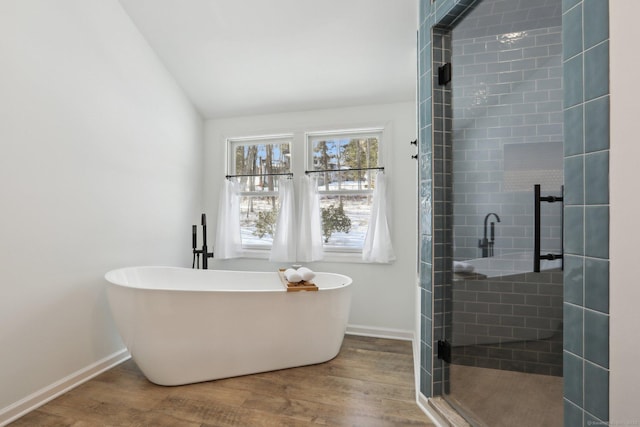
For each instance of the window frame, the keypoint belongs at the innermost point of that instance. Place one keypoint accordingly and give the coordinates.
(312, 136)
(231, 144)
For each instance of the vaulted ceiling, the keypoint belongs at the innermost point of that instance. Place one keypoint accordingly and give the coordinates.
(247, 57)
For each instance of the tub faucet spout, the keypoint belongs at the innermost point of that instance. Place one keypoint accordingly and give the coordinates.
(485, 244)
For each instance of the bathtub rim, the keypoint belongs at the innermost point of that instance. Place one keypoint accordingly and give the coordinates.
(113, 281)
(495, 265)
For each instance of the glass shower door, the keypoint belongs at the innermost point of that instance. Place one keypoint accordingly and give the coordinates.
(503, 321)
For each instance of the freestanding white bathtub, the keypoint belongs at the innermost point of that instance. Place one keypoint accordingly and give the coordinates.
(183, 326)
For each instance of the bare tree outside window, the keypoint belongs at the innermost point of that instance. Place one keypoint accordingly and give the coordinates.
(345, 184)
(259, 159)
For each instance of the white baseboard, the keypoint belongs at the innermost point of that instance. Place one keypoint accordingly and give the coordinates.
(418, 336)
(369, 331)
(50, 392)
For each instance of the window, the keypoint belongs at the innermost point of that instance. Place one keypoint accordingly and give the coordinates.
(345, 163)
(259, 164)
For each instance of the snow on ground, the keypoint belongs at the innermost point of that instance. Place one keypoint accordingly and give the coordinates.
(358, 209)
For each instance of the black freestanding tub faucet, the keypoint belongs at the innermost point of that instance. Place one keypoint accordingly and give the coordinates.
(194, 243)
(487, 244)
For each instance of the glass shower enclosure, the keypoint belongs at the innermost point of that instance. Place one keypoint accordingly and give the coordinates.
(498, 117)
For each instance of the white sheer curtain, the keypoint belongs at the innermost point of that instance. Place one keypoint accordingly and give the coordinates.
(377, 243)
(284, 239)
(310, 230)
(228, 242)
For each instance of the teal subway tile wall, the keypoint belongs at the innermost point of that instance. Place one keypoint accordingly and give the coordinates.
(585, 83)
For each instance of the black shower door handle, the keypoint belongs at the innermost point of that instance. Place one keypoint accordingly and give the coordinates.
(537, 199)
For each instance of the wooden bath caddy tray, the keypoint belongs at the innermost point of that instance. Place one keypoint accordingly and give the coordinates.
(294, 287)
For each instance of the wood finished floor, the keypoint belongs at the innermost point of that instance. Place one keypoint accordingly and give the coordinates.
(370, 383)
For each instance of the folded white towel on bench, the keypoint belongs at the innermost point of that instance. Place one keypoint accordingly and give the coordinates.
(306, 274)
(295, 276)
(462, 267)
(292, 275)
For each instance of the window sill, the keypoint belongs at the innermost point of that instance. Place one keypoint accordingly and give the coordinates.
(350, 257)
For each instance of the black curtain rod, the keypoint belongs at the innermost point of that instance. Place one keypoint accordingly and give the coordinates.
(259, 174)
(380, 168)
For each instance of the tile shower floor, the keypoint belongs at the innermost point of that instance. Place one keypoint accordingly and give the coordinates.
(505, 398)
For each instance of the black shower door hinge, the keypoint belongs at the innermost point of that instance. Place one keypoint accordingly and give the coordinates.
(444, 74)
(444, 350)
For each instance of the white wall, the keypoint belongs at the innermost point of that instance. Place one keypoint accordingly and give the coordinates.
(624, 229)
(100, 167)
(383, 294)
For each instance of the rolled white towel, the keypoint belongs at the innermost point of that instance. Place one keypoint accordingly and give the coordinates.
(306, 274)
(292, 275)
(462, 267)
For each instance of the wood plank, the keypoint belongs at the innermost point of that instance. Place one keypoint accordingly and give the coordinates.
(370, 383)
